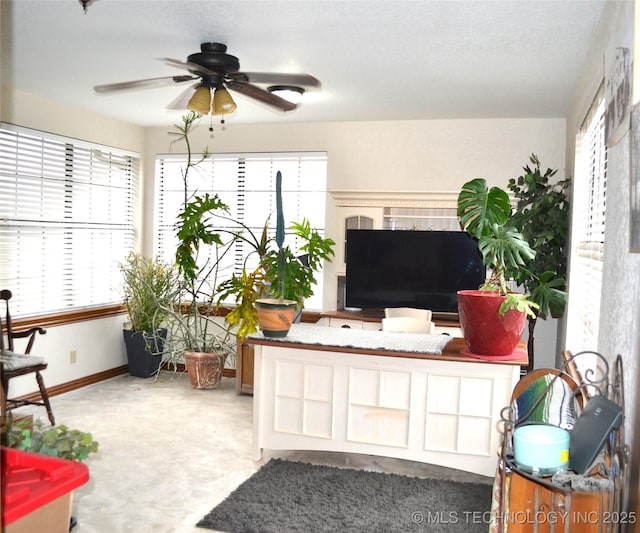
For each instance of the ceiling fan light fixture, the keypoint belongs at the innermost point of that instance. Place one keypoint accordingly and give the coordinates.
(200, 102)
(290, 93)
(223, 104)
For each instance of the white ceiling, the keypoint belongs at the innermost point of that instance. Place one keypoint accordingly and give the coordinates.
(377, 60)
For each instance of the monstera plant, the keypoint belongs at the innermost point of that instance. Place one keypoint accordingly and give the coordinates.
(493, 317)
(526, 245)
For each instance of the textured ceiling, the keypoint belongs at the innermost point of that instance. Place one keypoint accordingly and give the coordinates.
(377, 60)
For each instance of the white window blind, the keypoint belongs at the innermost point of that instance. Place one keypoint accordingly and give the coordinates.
(587, 234)
(66, 220)
(246, 183)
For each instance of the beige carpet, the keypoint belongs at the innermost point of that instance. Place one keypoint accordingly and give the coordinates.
(169, 453)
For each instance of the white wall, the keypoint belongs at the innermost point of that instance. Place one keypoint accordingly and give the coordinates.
(98, 344)
(619, 331)
(24, 109)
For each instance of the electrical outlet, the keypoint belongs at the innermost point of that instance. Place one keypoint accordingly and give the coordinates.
(73, 356)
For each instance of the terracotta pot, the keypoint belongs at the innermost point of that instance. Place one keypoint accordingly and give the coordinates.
(275, 316)
(204, 369)
(485, 331)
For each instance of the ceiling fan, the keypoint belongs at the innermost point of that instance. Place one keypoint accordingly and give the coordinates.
(218, 71)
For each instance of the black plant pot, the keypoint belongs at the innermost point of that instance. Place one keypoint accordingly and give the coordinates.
(143, 351)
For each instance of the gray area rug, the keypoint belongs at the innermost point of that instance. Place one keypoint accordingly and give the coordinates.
(286, 497)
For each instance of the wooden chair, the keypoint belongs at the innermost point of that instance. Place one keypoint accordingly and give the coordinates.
(423, 314)
(14, 364)
(407, 324)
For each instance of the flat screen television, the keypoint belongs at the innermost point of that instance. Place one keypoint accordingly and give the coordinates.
(423, 269)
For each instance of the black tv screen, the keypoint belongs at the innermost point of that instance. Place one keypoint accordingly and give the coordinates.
(423, 269)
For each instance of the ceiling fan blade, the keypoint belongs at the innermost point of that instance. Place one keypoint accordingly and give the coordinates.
(142, 84)
(191, 67)
(181, 101)
(275, 78)
(261, 95)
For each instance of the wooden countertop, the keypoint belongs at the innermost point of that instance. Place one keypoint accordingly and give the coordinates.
(452, 351)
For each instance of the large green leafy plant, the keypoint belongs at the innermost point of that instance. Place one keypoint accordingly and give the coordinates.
(542, 215)
(486, 215)
(280, 272)
(194, 324)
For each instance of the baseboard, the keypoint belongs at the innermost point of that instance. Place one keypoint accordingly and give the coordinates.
(97, 378)
(55, 390)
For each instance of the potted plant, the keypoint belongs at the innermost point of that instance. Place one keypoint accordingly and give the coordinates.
(197, 335)
(206, 341)
(57, 441)
(493, 317)
(275, 315)
(149, 287)
(542, 215)
(282, 280)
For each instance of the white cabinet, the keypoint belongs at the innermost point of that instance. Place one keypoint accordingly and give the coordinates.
(438, 411)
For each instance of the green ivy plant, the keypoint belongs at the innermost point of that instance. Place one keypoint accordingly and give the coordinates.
(57, 441)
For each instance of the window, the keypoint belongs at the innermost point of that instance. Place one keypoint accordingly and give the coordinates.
(66, 220)
(246, 183)
(588, 224)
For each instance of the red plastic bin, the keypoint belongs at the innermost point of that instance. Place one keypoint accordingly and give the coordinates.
(38, 489)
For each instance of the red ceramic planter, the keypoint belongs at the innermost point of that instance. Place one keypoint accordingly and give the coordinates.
(485, 331)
